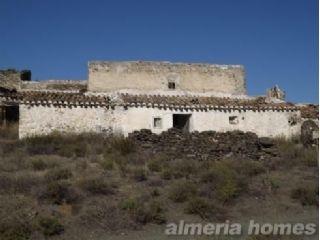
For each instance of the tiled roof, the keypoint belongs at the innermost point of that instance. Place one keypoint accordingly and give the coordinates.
(156, 101)
(192, 102)
(55, 98)
(310, 111)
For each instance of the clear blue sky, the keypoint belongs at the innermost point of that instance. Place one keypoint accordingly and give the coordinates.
(276, 40)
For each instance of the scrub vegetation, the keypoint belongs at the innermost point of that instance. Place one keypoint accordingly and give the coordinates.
(67, 186)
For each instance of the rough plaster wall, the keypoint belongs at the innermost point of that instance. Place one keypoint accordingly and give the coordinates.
(269, 123)
(154, 76)
(40, 120)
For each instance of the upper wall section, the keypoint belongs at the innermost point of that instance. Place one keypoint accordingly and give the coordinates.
(165, 76)
(55, 86)
(11, 79)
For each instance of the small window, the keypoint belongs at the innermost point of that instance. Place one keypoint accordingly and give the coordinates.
(172, 85)
(157, 122)
(293, 120)
(233, 120)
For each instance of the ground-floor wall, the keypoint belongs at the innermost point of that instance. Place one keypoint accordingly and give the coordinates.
(38, 120)
(42, 120)
(263, 123)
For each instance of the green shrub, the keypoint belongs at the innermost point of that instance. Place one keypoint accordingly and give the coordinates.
(129, 204)
(143, 211)
(38, 164)
(58, 192)
(155, 212)
(166, 173)
(198, 206)
(223, 178)
(181, 191)
(204, 208)
(155, 192)
(66, 145)
(42, 162)
(139, 174)
(97, 185)
(155, 165)
(274, 183)
(307, 195)
(122, 164)
(18, 183)
(182, 168)
(123, 145)
(309, 157)
(16, 217)
(248, 167)
(149, 212)
(80, 150)
(107, 163)
(57, 174)
(288, 149)
(107, 215)
(50, 226)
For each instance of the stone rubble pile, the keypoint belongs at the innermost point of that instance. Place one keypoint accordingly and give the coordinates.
(205, 145)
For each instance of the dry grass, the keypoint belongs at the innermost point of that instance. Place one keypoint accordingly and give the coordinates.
(110, 184)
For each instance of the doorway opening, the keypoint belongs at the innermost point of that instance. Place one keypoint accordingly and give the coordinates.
(9, 115)
(181, 121)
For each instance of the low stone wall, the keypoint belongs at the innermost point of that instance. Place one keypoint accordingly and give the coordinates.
(208, 145)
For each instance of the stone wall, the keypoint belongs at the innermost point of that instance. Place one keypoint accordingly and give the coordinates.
(42, 120)
(208, 145)
(35, 120)
(155, 76)
(55, 85)
(10, 79)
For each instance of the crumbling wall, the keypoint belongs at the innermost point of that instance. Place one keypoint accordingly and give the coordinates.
(10, 79)
(155, 76)
(56, 85)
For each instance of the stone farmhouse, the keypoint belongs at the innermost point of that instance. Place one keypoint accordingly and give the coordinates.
(121, 97)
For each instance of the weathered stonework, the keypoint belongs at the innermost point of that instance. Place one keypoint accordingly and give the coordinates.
(55, 85)
(39, 120)
(10, 79)
(42, 120)
(155, 76)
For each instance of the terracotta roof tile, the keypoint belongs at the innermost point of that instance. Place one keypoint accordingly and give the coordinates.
(58, 98)
(310, 111)
(203, 102)
(128, 100)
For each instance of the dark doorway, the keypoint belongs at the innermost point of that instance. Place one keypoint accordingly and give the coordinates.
(181, 121)
(9, 114)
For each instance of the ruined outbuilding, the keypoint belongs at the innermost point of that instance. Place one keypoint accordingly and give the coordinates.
(122, 97)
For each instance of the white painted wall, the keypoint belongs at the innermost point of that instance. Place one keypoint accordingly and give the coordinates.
(40, 120)
(37, 120)
(268, 123)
